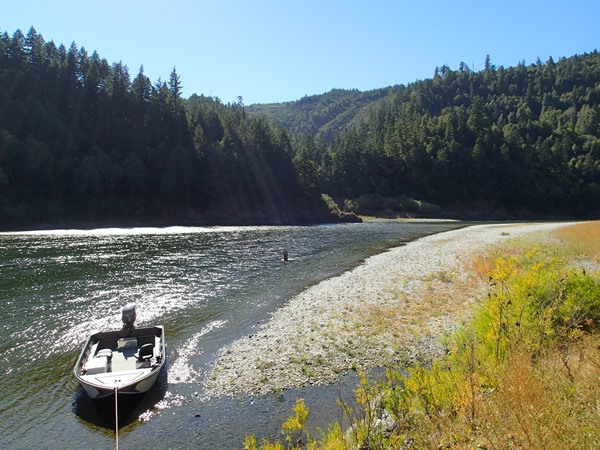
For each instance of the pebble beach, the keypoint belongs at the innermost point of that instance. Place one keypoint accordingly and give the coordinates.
(392, 310)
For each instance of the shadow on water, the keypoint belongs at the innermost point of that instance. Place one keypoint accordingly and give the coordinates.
(100, 413)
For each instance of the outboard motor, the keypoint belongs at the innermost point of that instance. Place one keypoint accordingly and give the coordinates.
(128, 317)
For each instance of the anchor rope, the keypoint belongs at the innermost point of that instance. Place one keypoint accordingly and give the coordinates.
(116, 420)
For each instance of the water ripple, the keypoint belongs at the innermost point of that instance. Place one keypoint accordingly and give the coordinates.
(182, 371)
(207, 286)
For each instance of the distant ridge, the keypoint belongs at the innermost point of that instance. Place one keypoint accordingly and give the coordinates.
(324, 115)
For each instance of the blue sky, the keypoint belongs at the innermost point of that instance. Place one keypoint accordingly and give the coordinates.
(278, 50)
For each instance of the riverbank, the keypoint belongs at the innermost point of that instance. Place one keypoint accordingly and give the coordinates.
(391, 310)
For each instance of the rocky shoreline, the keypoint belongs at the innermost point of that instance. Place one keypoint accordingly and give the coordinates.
(390, 310)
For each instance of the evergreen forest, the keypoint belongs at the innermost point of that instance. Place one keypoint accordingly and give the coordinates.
(83, 143)
(501, 142)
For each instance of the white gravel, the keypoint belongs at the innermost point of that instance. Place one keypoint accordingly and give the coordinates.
(390, 310)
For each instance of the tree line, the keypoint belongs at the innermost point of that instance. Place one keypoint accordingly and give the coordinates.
(80, 141)
(513, 141)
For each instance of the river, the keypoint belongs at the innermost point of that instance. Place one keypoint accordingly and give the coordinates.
(207, 286)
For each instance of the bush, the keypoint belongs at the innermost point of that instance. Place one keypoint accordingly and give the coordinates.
(331, 204)
(535, 317)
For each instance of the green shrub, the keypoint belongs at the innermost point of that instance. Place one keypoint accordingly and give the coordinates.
(331, 204)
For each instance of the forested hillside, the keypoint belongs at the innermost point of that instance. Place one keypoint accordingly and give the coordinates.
(321, 115)
(502, 141)
(82, 143)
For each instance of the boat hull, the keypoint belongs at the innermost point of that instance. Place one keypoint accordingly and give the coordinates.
(141, 386)
(109, 362)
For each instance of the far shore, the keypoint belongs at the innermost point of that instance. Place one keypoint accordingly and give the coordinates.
(212, 221)
(391, 310)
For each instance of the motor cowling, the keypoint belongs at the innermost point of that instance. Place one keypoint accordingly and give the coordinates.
(128, 315)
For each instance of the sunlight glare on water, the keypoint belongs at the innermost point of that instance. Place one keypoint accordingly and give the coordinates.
(207, 286)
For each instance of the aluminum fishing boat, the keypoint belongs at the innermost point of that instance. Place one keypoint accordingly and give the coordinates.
(127, 361)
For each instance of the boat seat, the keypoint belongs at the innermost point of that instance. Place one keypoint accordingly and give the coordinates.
(106, 352)
(126, 343)
(96, 365)
(145, 352)
(156, 346)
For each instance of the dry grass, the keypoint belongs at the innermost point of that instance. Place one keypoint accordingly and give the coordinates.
(404, 315)
(544, 396)
(549, 403)
(585, 237)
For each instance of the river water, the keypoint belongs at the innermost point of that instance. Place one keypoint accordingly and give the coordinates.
(207, 286)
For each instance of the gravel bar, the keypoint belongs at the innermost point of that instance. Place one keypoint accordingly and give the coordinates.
(390, 310)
